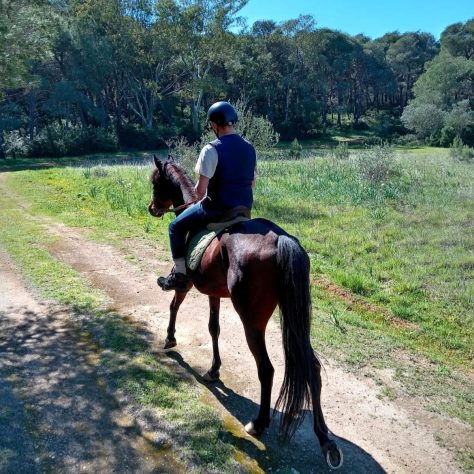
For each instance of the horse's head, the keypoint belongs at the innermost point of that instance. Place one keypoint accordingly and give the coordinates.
(162, 193)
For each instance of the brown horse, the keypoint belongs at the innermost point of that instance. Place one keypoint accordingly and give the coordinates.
(258, 266)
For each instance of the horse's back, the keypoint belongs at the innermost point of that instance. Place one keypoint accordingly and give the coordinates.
(250, 249)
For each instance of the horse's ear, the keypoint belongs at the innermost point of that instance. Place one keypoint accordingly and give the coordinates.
(158, 162)
(170, 157)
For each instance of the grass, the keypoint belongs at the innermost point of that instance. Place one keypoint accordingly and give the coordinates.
(399, 238)
(391, 232)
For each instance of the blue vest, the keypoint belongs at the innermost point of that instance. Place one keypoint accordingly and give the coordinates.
(231, 184)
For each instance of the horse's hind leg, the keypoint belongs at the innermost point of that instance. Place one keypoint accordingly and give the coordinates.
(174, 307)
(331, 452)
(256, 342)
(214, 329)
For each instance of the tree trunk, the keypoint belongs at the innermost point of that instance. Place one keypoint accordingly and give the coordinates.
(2, 151)
(195, 107)
(32, 113)
(287, 104)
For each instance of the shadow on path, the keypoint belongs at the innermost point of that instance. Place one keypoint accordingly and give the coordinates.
(301, 453)
(56, 413)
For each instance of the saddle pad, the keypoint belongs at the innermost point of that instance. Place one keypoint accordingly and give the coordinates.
(199, 242)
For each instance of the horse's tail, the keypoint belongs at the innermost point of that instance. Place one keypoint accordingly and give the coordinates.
(301, 364)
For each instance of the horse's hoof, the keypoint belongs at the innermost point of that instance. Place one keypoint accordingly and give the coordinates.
(332, 454)
(253, 429)
(169, 343)
(210, 376)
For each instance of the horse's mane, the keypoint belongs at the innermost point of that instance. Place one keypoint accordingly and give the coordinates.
(178, 177)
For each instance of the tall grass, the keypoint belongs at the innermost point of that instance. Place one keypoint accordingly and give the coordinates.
(395, 229)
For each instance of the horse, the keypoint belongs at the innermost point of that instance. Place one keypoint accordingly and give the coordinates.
(258, 266)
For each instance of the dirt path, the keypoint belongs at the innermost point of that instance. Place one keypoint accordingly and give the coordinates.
(376, 435)
(55, 412)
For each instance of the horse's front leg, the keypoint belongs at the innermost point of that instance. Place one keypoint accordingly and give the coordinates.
(214, 329)
(174, 307)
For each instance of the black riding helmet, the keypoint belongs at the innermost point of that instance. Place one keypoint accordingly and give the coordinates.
(222, 113)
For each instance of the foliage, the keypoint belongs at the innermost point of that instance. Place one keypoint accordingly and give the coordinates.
(460, 151)
(425, 119)
(26, 32)
(59, 141)
(377, 164)
(256, 129)
(295, 149)
(442, 107)
(341, 152)
(151, 69)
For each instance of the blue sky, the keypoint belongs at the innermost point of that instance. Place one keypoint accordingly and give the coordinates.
(371, 17)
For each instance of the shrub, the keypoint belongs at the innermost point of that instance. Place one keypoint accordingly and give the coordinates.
(408, 140)
(460, 151)
(256, 129)
(295, 149)
(376, 164)
(15, 145)
(341, 152)
(133, 137)
(425, 119)
(184, 152)
(56, 140)
(447, 136)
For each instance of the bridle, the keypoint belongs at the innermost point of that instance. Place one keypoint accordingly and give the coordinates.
(172, 209)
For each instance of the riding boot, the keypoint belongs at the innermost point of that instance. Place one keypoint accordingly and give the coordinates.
(174, 281)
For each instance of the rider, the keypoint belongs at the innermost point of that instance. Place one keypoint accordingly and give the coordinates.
(226, 168)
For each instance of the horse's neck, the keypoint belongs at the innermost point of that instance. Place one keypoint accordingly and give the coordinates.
(186, 187)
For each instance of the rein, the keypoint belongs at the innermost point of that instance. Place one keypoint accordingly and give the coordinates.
(183, 206)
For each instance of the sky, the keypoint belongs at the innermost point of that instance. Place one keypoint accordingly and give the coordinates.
(373, 18)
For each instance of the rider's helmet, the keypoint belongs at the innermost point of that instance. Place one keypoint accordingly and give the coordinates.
(222, 113)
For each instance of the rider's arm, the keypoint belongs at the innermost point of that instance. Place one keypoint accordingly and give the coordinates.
(205, 168)
(201, 186)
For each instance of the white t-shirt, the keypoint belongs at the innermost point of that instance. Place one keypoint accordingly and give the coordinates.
(207, 162)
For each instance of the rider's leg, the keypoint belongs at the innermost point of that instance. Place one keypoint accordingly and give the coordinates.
(191, 220)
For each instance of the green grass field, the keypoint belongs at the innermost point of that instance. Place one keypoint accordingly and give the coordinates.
(390, 237)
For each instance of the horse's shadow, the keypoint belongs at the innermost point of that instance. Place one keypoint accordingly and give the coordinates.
(301, 453)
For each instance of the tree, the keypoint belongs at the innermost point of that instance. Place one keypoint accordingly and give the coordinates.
(458, 39)
(407, 57)
(199, 27)
(425, 119)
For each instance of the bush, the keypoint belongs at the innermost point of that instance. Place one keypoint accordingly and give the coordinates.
(15, 145)
(408, 140)
(460, 151)
(360, 126)
(295, 149)
(133, 137)
(376, 164)
(425, 119)
(341, 152)
(256, 129)
(55, 140)
(447, 136)
(460, 117)
(184, 152)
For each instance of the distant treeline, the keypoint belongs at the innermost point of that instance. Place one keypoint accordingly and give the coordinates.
(78, 76)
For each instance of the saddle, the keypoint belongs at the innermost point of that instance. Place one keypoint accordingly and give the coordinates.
(197, 244)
